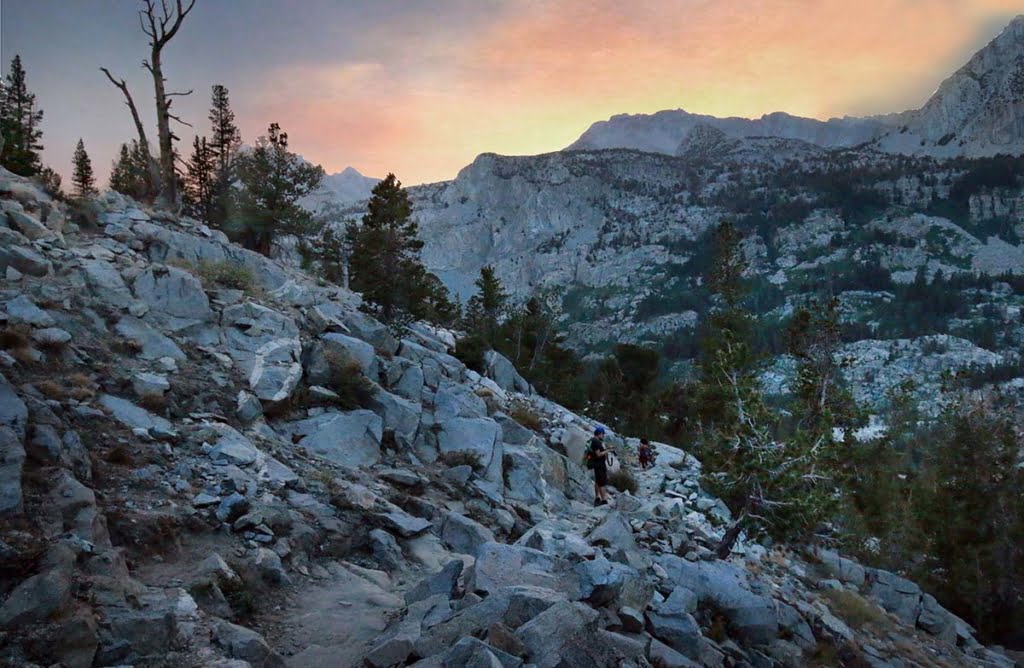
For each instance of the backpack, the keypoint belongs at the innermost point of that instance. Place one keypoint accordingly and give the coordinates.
(588, 459)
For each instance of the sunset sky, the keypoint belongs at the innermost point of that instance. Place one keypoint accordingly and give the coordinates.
(420, 88)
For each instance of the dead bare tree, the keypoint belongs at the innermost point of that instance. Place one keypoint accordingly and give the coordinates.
(154, 170)
(161, 24)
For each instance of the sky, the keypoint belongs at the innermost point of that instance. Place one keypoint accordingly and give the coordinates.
(421, 87)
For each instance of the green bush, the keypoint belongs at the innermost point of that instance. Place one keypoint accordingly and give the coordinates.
(853, 609)
(462, 458)
(226, 274)
(354, 390)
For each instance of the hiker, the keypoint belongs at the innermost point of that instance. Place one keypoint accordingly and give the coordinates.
(599, 462)
(646, 453)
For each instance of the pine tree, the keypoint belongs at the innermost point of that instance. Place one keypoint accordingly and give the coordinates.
(19, 124)
(83, 179)
(121, 172)
(487, 308)
(199, 180)
(273, 180)
(972, 511)
(385, 265)
(781, 487)
(50, 180)
(330, 253)
(130, 173)
(225, 140)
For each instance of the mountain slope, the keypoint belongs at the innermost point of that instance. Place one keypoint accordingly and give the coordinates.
(344, 187)
(184, 483)
(624, 237)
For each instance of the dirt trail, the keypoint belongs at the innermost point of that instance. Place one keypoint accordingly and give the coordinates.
(331, 623)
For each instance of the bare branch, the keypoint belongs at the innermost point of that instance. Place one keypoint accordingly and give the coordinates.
(175, 118)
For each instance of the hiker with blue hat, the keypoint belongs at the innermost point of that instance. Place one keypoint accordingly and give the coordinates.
(598, 460)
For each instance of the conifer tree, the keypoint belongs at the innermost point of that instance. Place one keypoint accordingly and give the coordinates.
(487, 308)
(130, 173)
(273, 180)
(199, 180)
(779, 486)
(50, 180)
(225, 140)
(82, 179)
(19, 124)
(385, 263)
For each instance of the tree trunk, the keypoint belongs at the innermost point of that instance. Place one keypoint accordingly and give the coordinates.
(724, 547)
(168, 176)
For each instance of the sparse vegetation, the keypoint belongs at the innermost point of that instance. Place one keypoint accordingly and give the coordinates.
(154, 402)
(354, 389)
(51, 389)
(853, 609)
(462, 458)
(524, 415)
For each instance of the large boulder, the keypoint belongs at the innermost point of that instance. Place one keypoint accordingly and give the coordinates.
(248, 327)
(29, 225)
(400, 415)
(153, 344)
(175, 297)
(897, 595)
(463, 535)
(671, 622)
(348, 439)
(13, 424)
(478, 436)
(752, 617)
(562, 635)
(37, 598)
(22, 310)
(843, 569)
(454, 400)
(276, 370)
(166, 245)
(602, 582)
(334, 349)
(134, 417)
(23, 259)
(106, 283)
(473, 653)
(556, 542)
(523, 476)
(368, 329)
(499, 369)
(498, 566)
(232, 447)
(444, 582)
(242, 643)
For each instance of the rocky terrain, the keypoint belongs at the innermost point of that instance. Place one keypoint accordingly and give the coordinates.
(210, 459)
(978, 111)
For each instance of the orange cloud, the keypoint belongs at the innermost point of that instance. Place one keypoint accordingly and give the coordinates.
(544, 70)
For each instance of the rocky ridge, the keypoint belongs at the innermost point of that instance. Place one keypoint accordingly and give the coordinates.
(977, 111)
(210, 459)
